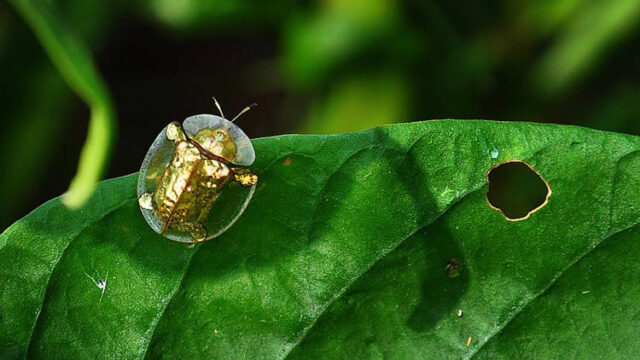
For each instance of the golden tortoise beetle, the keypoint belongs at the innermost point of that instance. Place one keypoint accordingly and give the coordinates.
(194, 182)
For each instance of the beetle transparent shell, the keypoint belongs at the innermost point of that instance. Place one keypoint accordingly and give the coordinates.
(230, 198)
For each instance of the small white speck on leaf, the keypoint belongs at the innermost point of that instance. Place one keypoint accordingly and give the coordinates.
(460, 313)
(494, 153)
(100, 283)
(586, 292)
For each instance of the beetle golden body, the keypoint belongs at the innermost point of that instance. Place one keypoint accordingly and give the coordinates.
(200, 167)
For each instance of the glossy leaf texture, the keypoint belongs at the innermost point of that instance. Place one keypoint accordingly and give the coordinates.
(342, 254)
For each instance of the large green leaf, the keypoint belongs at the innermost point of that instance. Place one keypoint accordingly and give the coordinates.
(342, 254)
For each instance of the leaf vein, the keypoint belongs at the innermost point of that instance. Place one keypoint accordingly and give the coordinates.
(389, 250)
(542, 291)
(47, 289)
(154, 323)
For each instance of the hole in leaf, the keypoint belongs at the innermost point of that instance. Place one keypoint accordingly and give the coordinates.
(516, 190)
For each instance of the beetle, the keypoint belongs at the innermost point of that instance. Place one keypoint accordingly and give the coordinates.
(186, 170)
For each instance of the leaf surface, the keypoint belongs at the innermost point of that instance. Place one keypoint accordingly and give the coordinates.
(342, 254)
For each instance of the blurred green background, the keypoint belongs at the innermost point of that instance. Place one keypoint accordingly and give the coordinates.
(312, 66)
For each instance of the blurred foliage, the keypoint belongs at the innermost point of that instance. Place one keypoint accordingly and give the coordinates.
(321, 66)
(580, 44)
(74, 63)
(359, 102)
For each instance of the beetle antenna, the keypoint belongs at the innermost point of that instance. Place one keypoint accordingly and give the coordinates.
(218, 106)
(244, 111)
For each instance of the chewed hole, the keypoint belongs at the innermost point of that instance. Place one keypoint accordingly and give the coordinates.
(517, 190)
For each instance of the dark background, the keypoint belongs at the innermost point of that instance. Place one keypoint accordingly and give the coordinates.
(313, 67)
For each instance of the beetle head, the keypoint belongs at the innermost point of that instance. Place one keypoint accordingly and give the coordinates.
(218, 142)
(220, 137)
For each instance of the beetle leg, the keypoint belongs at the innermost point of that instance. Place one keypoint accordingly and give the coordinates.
(174, 132)
(245, 177)
(198, 232)
(146, 201)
